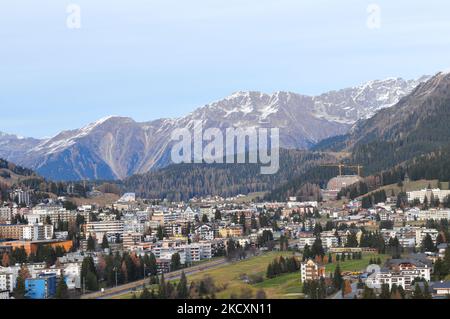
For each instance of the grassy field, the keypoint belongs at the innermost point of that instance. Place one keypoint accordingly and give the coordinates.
(249, 197)
(229, 275)
(286, 286)
(355, 264)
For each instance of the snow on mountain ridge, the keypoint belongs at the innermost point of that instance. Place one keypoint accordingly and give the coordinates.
(116, 147)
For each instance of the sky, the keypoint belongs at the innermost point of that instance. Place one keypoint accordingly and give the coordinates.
(150, 59)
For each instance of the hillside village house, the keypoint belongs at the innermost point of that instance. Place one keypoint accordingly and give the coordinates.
(401, 272)
(311, 270)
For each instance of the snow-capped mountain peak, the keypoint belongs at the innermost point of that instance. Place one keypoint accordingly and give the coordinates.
(116, 147)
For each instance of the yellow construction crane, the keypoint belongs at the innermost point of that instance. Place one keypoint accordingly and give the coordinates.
(358, 168)
(342, 166)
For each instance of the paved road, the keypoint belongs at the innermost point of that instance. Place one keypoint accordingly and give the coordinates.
(127, 288)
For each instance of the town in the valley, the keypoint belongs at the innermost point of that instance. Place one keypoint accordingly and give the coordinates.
(391, 243)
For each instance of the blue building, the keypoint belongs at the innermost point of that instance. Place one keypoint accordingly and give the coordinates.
(43, 287)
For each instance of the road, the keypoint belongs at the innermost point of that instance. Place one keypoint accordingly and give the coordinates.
(128, 288)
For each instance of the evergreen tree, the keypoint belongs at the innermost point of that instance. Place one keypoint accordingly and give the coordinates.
(91, 243)
(91, 281)
(317, 248)
(426, 291)
(368, 293)
(145, 294)
(105, 243)
(337, 278)
(20, 291)
(307, 253)
(160, 232)
(175, 262)
(427, 244)
(162, 292)
(62, 291)
(352, 241)
(385, 292)
(182, 288)
(417, 293)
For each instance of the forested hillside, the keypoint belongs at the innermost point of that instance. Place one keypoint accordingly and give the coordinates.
(183, 181)
(412, 136)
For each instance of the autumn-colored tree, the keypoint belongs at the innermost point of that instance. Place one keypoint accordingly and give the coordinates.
(101, 266)
(318, 259)
(347, 288)
(24, 272)
(135, 259)
(5, 260)
(124, 271)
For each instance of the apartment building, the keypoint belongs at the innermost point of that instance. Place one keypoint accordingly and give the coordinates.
(7, 279)
(42, 287)
(428, 193)
(422, 232)
(204, 232)
(311, 270)
(4, 294)
(131, 240)
(435, 214)
(26, 232)
(55, 213)
(22, 197)
(401, 272)
(108, 228)
(231, 231)
(5, 214)
(8, 231)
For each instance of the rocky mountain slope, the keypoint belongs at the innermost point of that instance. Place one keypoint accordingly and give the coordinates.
(411, 137)
(417, 124)
(117, 147)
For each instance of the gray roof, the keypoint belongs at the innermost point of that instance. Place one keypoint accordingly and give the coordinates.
(441, 285)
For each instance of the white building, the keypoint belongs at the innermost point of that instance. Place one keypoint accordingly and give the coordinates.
(436, 214)
(402, 277)
(8, 279)
(71, 274)
(21, 196)
(127, 197)
(188, 214)
(428, 193)
(5, 213)
(421, 233)
(108, 228)
(37, 232)
(204, 232)
(4, 294)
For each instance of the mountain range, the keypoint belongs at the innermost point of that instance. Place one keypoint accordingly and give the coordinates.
(118, 147)
(417, 124)
(411, 137)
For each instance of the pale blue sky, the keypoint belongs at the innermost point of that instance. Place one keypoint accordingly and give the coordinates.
(163, 58)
